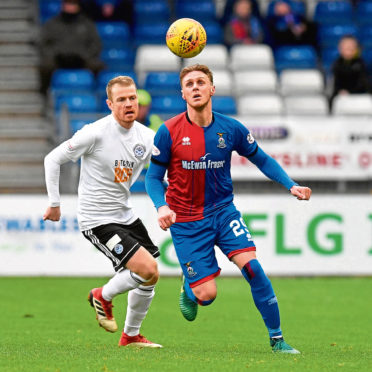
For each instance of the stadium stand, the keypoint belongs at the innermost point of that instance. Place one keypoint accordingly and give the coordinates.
(293, 82)
(215, 56)
(251, 57)
(352, 104)
(261, 105)
(255, 81)
(25, 133)
(310, 105)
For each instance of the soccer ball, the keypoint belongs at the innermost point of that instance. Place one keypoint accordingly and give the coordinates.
(186, 37)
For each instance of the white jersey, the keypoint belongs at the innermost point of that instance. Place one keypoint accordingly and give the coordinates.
(112, 158)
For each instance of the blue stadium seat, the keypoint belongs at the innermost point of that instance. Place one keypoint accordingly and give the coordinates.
(149, 10)
(139, 185)
(170, 104)
(224, 104)
(329, 35)
(328, 56)
(114, 34)
(295, 57)
(150, 33)
(76, 80)
(118, 58)
(77, 124)
(158, 83)
(105, 76)
(214, 32)
(365, 36)
(333, 12)
(364, 13)
(202, 11)
(76, 103)
(48, 9)
(298, 7)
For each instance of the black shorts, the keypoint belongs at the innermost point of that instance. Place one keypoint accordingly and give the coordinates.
(120, 242)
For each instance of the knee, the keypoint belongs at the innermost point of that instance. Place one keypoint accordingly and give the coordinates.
(150, 272)
(205, 295)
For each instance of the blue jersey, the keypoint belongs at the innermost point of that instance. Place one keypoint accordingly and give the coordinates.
(199, 161)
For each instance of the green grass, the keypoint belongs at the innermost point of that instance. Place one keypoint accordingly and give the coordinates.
(46, 324)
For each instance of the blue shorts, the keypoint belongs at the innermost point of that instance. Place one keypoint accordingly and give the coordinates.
(194, 243)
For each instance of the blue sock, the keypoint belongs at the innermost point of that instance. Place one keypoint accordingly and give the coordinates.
(192, 297)
(263, 296)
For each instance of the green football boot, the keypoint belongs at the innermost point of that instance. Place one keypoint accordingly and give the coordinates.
(188, 308)
(280, 346)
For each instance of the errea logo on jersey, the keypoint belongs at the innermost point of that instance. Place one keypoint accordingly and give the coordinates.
(186, 141)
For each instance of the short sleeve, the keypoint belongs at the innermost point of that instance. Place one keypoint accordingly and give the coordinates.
(161, 153)
(244, 142)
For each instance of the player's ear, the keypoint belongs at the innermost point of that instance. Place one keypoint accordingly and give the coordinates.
(213, 89)
(109, 104)
(183, 96)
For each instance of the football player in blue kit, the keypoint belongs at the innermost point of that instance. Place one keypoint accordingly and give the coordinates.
(195, 148)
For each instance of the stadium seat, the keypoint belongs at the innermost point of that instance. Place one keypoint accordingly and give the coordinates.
(251, 57)
(156, 58)
(293, 82)
(104, 77)
(365, 36)
(77, 124)
(260, 81)
(118, 58)
(263, 105)
(333, 12)
(77, 103)
(295, 57)
(352, 104)
(165, 82)
(306, 105)
(74, 80)
(224, 105)
(150, 33)
(147, 11)
(214, 32)
(48, 9)
(214, 56)
(222, 80)
(114, 34)
(364, 13)
(329, 35)
(202, 11)
(170, 104)
(328, 56)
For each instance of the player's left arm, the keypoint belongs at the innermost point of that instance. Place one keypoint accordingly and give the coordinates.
(272, 169)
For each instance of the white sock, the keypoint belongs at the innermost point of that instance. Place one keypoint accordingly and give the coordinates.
(139, 301)
(120, 283)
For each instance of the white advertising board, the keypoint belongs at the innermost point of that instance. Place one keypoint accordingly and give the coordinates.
(329, 235)
(311, 148)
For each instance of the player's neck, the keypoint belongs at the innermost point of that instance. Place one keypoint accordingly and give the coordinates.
(202, 117)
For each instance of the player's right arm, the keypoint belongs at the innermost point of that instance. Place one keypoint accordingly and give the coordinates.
(155, 175)
(72, 149)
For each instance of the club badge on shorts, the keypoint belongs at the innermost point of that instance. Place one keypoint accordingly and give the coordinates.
(190, 270)
(139, 150)
(118, 248)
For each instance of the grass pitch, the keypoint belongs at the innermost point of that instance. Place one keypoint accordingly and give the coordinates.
(46, 324)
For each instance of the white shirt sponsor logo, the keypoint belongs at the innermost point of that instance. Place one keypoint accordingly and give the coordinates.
(186, 141)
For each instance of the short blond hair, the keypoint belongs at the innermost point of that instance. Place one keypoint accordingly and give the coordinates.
(124, 81)
(197, 67)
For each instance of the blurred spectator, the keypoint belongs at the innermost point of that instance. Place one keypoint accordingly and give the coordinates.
(350, 73)
(109, 10)
(287, 28)
(243, 28)
(68, 40)
(228, 12)
(152, 121)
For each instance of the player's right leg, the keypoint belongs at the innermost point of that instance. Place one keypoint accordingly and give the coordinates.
(117, 243)
(194, 245)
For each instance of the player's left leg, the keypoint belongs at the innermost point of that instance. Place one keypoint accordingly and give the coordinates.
(264, 299)
(236, 243)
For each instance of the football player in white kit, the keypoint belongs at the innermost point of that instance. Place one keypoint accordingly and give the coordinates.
(113, 152)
